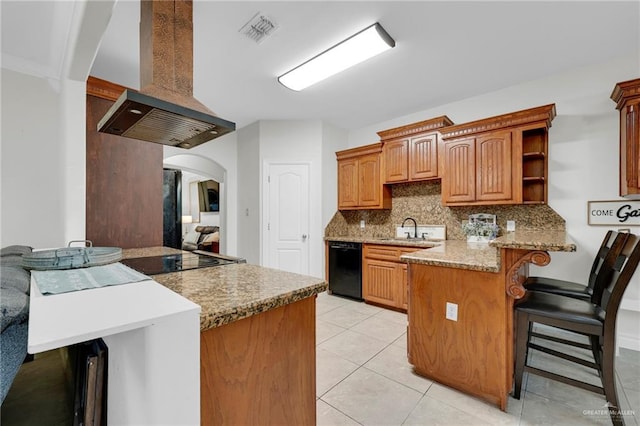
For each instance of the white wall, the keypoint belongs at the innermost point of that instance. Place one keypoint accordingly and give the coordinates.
(43, 166)
(583, 158)
(333, 139)
(298, 142)
(248, 160)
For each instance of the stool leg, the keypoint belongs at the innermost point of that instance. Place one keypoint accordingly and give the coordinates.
(609, 382)
(523, 327)
(596, 350)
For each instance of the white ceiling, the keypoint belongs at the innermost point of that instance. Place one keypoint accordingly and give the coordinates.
(445, 51)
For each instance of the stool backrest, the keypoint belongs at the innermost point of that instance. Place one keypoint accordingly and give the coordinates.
(622, 271)
(603, 264)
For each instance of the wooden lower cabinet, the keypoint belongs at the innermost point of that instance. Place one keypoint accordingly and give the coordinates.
(261, 370)
(384, 275)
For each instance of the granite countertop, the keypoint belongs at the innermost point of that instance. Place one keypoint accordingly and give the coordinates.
(232, 292)
(475, 256)
(547, 240)
(458, 254)
(387, 241)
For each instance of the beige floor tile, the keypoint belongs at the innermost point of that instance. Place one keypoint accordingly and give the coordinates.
(537, 410)
(331, 370)
(326, 330)
(392, 363)
(432, 412)
(372, 399)
(326, 415)
(326, 302)
(562, 393)
(352, 346)
(343, 316)
(365, 308)
(394, 316)
(401, 341)
(380, 328)
(476, 407)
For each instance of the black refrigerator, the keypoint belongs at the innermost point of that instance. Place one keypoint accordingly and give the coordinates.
(172, 208)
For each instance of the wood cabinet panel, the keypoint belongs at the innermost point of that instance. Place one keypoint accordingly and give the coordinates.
(468, 354)
(384, 275)
(380, 282)
(360, 173)
(509, 159)
(347, 183)
(627, 96)
(459, 185)
(369, 183)
(410, 152)
(124, 181)
(261, 369)
(494, 167)
(423, 157)
(396, 160)
(405, 287)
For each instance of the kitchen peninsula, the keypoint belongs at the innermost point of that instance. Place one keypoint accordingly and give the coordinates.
(257, 341)
(460, 303)
(460, 312)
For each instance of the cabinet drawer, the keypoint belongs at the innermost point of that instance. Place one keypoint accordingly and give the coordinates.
(384, 252)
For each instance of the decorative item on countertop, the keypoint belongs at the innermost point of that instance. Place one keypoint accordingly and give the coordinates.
(481, 227)
(71, 257)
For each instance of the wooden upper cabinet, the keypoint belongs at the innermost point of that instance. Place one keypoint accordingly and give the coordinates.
(360, 179)
(411, 152)
(627, 97)
(396, 158)
(423, 155)
(494, 169)
(460, 166)
(498, 160)
(369, 184)
(348, 183)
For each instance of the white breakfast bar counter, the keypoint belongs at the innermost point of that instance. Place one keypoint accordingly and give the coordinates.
(169, 339)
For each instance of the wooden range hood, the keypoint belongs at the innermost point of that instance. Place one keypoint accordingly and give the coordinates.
(165, 111)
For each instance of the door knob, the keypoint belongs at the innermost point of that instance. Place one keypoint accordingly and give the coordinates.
(304, 237)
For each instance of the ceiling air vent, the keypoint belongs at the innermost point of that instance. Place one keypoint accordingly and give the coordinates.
(259, 27)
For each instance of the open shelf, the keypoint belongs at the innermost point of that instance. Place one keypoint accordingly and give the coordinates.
(534, 166)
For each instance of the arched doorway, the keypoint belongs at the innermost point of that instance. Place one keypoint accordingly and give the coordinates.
(207, 169)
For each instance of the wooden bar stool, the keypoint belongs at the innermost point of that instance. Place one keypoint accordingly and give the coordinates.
(595, 320)
(605, 256)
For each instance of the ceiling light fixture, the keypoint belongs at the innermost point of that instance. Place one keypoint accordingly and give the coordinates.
(361, 46)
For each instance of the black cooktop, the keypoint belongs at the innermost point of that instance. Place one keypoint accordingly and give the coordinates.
(154, 265)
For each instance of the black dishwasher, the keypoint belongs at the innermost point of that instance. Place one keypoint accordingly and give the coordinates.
(345, 269)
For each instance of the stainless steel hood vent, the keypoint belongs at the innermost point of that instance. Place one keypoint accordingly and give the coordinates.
(165, 111)
(139, 116)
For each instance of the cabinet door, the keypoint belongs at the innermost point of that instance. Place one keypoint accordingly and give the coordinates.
(369, 184)
(459, 180)
(380, 282)
(396, 160)
(347, 183)
(423, 157)
(630, 149)
(494, 180)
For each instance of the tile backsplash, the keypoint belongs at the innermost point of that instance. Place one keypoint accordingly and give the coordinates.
(422, 201)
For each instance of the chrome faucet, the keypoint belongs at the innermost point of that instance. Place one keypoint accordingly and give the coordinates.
(415, 227)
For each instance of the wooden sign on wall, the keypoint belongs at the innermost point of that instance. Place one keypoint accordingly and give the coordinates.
(614, 213)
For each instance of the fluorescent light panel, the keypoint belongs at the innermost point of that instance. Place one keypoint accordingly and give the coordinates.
(367, 43)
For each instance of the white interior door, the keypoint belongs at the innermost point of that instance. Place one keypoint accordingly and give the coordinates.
(287, 217)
